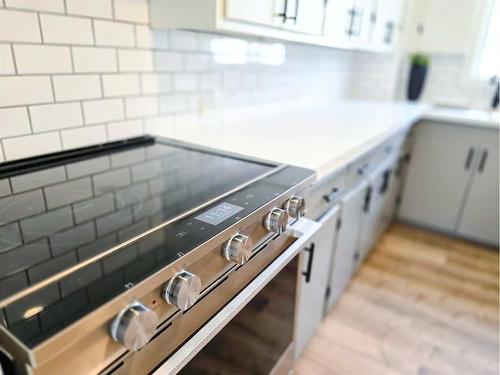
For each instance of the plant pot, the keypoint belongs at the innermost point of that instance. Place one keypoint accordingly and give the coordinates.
(416, 81)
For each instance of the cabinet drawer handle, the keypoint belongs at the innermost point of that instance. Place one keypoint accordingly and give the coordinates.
(468, 159)
(482, 163)
(308, 271)
(333, 195)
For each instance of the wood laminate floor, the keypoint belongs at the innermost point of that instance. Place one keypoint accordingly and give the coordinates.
(422, 303)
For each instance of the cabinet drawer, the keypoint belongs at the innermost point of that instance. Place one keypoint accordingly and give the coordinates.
(326, 192)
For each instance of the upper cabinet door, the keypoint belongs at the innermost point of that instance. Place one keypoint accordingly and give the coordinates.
(386, 21)
(348, 22)
(306, 16)
(480, 215)
(442, 159)
(446, 26)
(264, 12)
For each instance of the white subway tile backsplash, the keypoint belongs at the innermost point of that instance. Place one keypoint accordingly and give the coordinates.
(168, 61)
(120, 84)
(141, 106)
(19, 90)
(55, 116)
(105, 110)
(73, 87)
(185, 82)
(132, 10)
(91, 8)
(85, 136)
(43, 5)
(25, 146)
(198, 62)
(183, 40)
(109, 33)
(16, 26)
(135, 60)
(159, 125)
(173, 103)
(13, 122)
(39, 59)
(125, 129)
(149, 38)
(156, 83)
(66, 30)
(6, 60)
(91, 59)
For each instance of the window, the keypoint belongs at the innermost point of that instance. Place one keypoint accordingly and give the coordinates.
(489, 57)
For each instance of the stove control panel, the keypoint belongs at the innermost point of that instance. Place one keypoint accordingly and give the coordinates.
(238, 248)
(276, 220)
(183, 290)
(134, 326)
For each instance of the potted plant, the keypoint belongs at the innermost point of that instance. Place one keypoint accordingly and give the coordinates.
(418, 72)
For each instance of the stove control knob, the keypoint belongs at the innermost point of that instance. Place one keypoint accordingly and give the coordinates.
(238, 249)
(182, 290)
(276, 220)
(295, 207)
(134, 326)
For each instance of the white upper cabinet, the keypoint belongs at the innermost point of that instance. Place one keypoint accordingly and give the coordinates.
(386, 23)
(309, 16)
(331, 23)
(348, 22)
(263, 12)
(445, 26)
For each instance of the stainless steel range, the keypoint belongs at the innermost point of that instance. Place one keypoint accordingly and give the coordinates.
(149, 255)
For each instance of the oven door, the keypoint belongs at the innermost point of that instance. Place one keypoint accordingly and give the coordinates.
(254, 332)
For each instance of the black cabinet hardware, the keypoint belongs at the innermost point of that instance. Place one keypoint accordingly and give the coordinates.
(468, 159)
(308, 271)
(389, 32)
(482, 162)
(385, 182)
(354, 22)
(284, 15)
(368, 198)
(335, 193)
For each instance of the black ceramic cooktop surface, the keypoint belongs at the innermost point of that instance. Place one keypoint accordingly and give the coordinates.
(57, 215)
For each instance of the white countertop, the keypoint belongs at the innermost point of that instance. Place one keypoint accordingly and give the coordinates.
(322, 137)
(319, 136)
(469, 117)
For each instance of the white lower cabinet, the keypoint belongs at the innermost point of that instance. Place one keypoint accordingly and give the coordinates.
(452, 181)
(347, 241)
(316, 260)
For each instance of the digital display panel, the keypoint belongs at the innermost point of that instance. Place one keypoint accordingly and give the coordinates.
(219, 213)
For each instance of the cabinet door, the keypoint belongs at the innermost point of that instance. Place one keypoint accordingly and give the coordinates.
(479, 219)
(348, 21)
(372, 214)
(264, 12)
(307, 17)
(347, 241)
(392, 193)
(314, 282)
(387, 23)
(446, 26)
(440, 169)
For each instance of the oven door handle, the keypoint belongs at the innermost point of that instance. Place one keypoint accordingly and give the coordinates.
(303, 230)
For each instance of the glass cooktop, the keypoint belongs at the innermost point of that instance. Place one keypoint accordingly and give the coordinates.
(55, 214)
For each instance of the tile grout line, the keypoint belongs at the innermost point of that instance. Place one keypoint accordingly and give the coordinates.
(39, 20)
(14, 61)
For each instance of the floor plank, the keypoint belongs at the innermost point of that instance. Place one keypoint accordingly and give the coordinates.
(422, 304)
